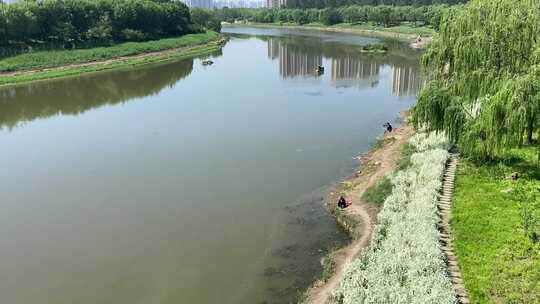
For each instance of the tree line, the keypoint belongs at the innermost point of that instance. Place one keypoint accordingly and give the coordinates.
(339, 3)
(72, 23)
(381, 14)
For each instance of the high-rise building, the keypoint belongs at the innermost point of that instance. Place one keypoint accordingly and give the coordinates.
(276, 3)
(199, 3)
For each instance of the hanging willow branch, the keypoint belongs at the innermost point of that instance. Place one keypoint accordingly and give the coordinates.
(484, 67)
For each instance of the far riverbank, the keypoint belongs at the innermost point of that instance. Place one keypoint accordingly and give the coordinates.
(65, 63)
(404, 33)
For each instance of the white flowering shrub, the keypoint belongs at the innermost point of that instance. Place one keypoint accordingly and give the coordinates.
(404, 263)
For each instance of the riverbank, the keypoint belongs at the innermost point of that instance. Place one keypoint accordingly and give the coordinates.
(54, 64)
(360, 218)
(402, 32)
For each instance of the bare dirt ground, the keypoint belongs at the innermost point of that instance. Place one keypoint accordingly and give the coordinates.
(375, 166)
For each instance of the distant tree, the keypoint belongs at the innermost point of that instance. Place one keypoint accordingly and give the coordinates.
(330, 16)
(68, 22)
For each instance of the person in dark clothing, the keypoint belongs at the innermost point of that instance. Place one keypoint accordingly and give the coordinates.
(388, 127)
(342, 203)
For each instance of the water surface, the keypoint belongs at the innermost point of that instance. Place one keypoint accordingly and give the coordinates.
(179, 183)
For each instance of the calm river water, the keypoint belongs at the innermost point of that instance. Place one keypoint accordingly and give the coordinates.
(180, 183)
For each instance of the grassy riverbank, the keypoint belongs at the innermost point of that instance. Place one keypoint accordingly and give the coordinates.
(53, 64)
(404, 31)
(359, 218)
(499, 263)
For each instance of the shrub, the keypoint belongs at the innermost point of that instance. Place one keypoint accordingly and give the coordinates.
(404, 263)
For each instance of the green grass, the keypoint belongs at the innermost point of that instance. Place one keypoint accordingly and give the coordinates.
(378, 192)
(349, 222)
(499, 263)
(329, 266)
(381, 142)
(50, 59)
(196, 50)
(405, 159)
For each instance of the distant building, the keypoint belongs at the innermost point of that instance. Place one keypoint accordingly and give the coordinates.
(239, 4)
(276, 3)
(200, 3)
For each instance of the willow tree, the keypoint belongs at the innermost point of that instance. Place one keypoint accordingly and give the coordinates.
(484, 76)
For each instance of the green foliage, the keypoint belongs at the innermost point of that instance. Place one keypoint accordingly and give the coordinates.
(378, 192)
(375, 48)
(383, 141)
(49, 59)
(516, 275)
(205, 19)
(382, 15)
(500, 262)
(330, 16)
(69, 23)
(527, 195)
(484, 89)
(329, 267)
(338, 3)
(405, 159)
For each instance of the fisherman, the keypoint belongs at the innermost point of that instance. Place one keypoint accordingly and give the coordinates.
(388, 127)
(342, 202)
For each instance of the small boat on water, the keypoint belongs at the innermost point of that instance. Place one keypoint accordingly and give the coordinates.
(319, 70)
(207, 62)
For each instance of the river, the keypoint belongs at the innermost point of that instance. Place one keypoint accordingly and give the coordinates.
(184, 183)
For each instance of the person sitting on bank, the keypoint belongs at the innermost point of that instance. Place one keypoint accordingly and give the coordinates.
(342, 202)
(388, 127)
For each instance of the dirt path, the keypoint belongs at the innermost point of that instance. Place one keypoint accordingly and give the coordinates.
(375, 166)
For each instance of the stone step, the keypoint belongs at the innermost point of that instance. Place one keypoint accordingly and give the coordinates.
(454, 268)
(451, 257)
(457, 281)
(464, 300)
(455, 274)
(447, 249)
(452, 263)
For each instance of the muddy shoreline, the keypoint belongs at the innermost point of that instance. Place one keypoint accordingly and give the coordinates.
(360, 218)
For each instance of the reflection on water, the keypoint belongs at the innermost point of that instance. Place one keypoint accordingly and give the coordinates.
(349, 66)
(205, 186)
(76, 95)
(293, 60)
(352, 71)
(406, 80)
